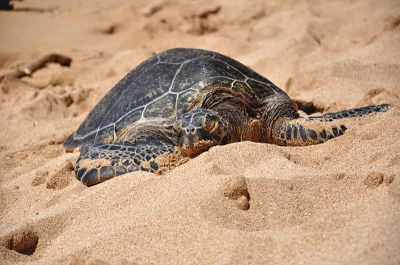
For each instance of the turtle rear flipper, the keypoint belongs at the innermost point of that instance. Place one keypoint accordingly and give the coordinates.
(100, 162)
(317, 129)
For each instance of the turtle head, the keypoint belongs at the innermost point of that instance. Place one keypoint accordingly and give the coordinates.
(202, 129)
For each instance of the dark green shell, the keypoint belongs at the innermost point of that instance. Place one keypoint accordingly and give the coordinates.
(164, 85)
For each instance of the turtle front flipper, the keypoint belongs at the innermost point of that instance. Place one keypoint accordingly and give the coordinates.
(317, 129)
(100, 162)
(303, 131)
(354, 113)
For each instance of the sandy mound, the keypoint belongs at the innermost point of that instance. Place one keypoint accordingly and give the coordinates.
(244, 203)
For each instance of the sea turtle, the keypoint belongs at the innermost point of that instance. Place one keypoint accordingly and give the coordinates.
(190, 100)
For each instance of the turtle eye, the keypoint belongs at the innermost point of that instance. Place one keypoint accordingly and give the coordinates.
(210, 126)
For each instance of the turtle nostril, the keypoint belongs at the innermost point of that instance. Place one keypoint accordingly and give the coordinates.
(192, 130)
(187, 130)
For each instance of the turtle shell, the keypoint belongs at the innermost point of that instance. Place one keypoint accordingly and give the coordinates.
(165, 85)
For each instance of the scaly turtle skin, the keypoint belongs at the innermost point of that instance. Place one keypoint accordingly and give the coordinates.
(192, 99)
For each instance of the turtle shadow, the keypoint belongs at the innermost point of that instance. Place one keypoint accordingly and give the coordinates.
(307, 106)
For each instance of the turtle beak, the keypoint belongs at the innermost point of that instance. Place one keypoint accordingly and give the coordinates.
(193, 143)
(189, 137)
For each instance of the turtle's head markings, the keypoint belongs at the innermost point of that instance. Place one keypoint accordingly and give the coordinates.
(202, 129)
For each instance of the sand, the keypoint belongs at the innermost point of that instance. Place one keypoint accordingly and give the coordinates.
(243, 203)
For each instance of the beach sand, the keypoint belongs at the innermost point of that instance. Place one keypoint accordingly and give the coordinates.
(243, 203)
